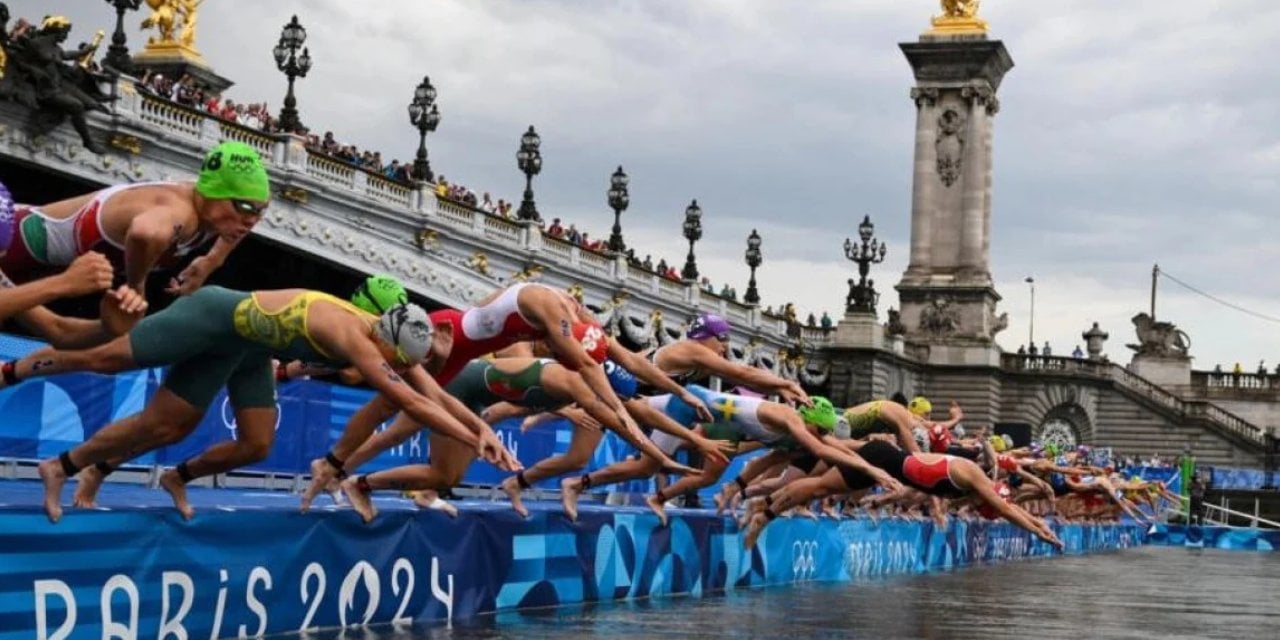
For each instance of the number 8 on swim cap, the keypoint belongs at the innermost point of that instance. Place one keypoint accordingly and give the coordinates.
(592, 339)
(407, 328)
(233, 171)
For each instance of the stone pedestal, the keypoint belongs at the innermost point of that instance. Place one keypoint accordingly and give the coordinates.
(859, 331)
(173, 60)
(1166, 371)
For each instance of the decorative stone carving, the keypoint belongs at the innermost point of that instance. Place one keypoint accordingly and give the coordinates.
(894, 326)
(577, 292)
(999, 322)
(940, 318)
(480, 262)
(529, 273)
(950, 146)
(1159, 338)
(924, 96)
(981, 97)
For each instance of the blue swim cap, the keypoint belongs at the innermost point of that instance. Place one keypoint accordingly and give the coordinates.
(623, 382)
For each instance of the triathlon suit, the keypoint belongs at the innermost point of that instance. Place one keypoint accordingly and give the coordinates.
(939, 439)
(43, 244)
(483, 330)
(934, 479)
(865, 422)
(682, 378)
(481, 384)
(218, 336)
(735, 418)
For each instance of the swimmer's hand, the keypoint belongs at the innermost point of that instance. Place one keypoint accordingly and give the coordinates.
(89, 273)
(887, 481)
(792, 394)
(672, 466)
(121, 309)
(700, 408)
(491, 450)
(191, 278)
(716, 449)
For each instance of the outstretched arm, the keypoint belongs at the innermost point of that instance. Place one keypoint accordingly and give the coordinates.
(650, 374)
(646, 414)
(739, 373)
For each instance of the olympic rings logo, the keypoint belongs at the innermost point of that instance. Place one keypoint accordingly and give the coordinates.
(804, 562)
(228, 414)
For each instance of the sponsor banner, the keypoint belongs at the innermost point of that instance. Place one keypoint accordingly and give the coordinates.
(251, 571)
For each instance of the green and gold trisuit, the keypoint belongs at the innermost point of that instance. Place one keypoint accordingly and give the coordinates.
(482, 384)
(220, 336)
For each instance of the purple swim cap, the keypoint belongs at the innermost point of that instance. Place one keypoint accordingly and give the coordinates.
(709, 325)
(6, 219)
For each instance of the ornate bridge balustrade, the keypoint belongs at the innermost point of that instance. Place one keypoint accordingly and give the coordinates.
(444, 250)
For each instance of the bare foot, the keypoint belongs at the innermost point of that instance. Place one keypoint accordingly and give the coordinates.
(735, 500)
(830, 511)
(88, 482)
(803, 511)
(177, 489)
(322, 475)
(424, 499)
(754, 528)
(431, 500)
(512, 488)
(659, 507)
(53, 478)
(360, 500)
(722, 501)
(569, 492)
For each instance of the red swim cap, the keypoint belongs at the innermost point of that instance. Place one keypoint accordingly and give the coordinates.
(987, 511)
(593, 340)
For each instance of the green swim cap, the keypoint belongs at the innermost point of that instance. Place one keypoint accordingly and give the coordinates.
(821, 415)
(378, 293)
(233, 171)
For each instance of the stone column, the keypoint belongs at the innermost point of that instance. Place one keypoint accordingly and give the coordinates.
(973, 242)
(921, 261)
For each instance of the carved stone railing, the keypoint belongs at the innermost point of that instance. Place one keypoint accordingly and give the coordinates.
(1228, 380)
(363, 220)
(1214, 416)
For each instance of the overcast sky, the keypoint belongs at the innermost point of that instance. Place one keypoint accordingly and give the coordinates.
(1130, 133)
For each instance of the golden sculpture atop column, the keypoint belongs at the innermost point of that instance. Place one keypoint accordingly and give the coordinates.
(175, 22)
(958, 17)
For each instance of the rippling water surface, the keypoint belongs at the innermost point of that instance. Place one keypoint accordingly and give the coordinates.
(1148, 592)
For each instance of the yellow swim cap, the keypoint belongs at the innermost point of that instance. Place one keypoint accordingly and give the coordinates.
(998, 443)
(920, 406)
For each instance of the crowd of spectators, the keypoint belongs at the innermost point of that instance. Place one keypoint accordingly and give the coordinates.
(190, 93)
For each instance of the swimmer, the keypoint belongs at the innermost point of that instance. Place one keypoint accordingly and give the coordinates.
(218, 337)
(145, 225)
(935, 474)
(534, 383)
(737, 418)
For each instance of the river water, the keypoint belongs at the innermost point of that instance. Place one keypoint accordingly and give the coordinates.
(1146, 592)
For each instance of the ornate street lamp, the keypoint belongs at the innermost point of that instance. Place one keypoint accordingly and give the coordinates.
(692, 233)
(529, 159)
(424, 114)
(754, 259)
(292, 37)
(618, 201)
(862, 296)
(118, 53)
(1031, 329)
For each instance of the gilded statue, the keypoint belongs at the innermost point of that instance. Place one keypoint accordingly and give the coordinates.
(165, 16)
(959, 17)
(960, 8)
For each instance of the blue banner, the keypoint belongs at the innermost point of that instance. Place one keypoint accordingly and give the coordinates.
(254, 566)
(1215, 537)
(48, 415)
